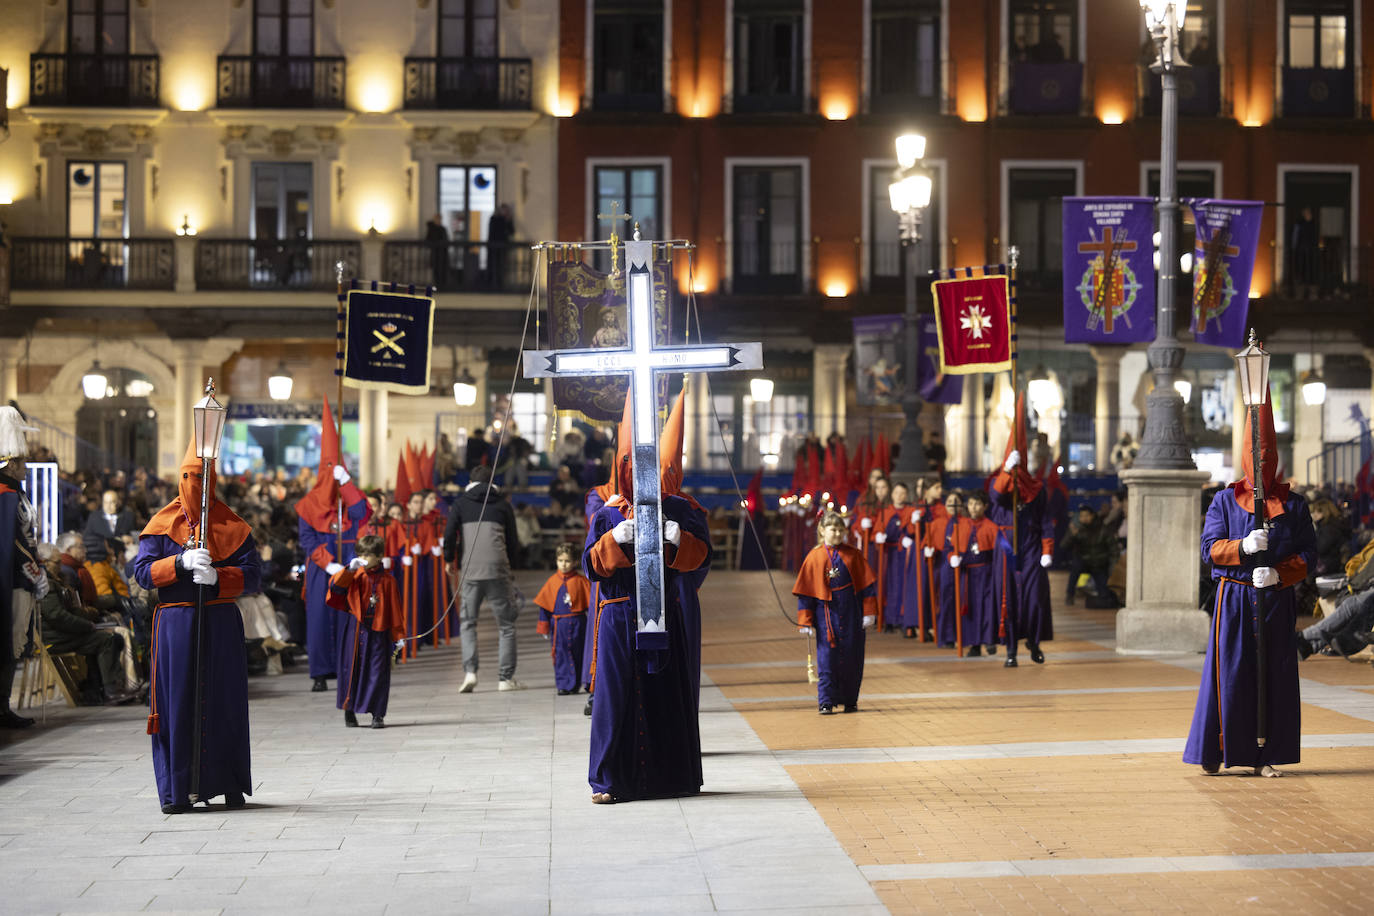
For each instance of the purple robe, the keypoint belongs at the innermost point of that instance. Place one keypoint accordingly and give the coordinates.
(645, 739)
(1034, 617)
(975, 592)
(1225, 721)
(568, 635)
(839, 668)
(364, 683)
(916, 577)
(895, 571)
(224, 760)
(322, 621)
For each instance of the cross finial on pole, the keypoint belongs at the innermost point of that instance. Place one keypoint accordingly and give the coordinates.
(616, 217)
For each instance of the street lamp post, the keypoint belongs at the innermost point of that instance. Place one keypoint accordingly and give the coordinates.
(909, 195)
(1164, 445)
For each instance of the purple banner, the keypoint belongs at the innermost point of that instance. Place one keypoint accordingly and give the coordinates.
(936, 387)
(878, 347)
(1223, 260)
(1109, 277)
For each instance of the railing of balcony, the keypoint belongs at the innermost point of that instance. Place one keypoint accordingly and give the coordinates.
(280, 82)
(1199, 91)
(66, 263)
(1330, 272)
(460, 267)
(1315, 92)
(269, 264)
(460, 83)
(772, 268)
(1045, 88)
(94, 80)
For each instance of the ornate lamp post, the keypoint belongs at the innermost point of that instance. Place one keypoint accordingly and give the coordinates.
(909, 195)
(1164, 445)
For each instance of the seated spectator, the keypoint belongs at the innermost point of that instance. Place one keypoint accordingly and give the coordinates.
(67, 628)
(72, 553)
(1333, 533)
(1346, 630)
(110, 585)
(527, 530)
(112, 520)
(564, 490)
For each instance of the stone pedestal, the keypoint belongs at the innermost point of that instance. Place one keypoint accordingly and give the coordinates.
(1163, 561)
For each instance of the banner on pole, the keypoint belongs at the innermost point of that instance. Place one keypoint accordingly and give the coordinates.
(973, 321)
(588, 309)
(1226, 241)
(878, 360)
(1109, 277)
(387, 337)
(935, 386)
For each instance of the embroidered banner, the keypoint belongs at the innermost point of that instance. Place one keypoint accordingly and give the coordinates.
(1109, 277)
(973, 320)
(588, 309)
(1223, 260)
(878, 346)
(387, 340)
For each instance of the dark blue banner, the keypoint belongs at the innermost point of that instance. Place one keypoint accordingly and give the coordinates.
(1109, 277)
(387, 341)
(935, 386)
(1223, 260)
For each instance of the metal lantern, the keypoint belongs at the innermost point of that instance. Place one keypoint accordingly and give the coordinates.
(1252, 365)
(1158, 11)
(761, 389)
(209, 417)
(279, 383)
(465, 390)
(94, 383)
(1313, 389)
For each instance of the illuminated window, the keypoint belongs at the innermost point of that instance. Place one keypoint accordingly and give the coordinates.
(638, 190)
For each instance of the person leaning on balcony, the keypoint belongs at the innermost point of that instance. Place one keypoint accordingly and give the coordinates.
(500, 230)
(436, 236)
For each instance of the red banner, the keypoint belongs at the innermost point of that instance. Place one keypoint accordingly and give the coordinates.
(973, 320)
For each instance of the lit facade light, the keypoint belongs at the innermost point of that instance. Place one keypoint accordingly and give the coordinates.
(761, 389)
(1040, 389)
(209, 415)
(279, 383)
(1252, 367)
(1313, 389)
(187, 229)
(465, 390)
(94, 383)
(910, 149)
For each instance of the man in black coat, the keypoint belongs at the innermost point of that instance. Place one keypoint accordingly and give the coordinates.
(112, 520)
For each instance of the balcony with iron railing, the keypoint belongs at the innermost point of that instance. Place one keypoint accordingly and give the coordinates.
(460, 267)
(272, 264)
(66, 263)
(468, 83)
(94, 80)
(1199, 91)
(246, 81)
(1318, 92)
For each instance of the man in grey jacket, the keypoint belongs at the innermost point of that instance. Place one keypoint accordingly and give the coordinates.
(481, 538)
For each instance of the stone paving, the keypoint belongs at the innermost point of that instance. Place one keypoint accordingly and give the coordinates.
(962, 786)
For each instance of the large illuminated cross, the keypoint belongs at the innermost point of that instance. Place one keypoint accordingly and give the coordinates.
(642, 361)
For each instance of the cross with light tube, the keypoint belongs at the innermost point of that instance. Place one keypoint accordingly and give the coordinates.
(642, 361)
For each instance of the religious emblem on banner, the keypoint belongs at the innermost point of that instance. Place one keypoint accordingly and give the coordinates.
(387, 340)
(1227, 237)
(973, 320)
(1109, 293)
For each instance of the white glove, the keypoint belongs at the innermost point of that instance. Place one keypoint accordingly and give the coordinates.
(1012, 461)
(415, 549)
(193, 557)
(869, 621)
(546, 636)
(880, 538)
(928, 552)
(1255, 541)
(955, 560)
(1046, 560)
(441, 541)
(386, 562)
(333, 569)
(340, 474)
(918, 515)
(437, 551)
(866, 523)
(357, 563)
(624, 533)
(806, 631)
(906, 543)
(406, 560)
(400, 645)
(205, 575)
(1265, 577)
(672, 532)
(973, 548)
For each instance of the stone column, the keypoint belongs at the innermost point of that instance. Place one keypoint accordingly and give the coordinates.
(373, 425)
(1369, 358)
(10, 351)
(189, 384)
(972, 447)
(1163, 561)
(828, 388)
(1307, 425)
(697, 428)
(980, 425)
(1106, 428)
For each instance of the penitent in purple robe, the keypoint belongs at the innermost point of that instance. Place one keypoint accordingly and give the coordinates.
(1035, 538)
(838, 622)
(322, 623)
(223, 669)
(645, 739)
(1225, 721)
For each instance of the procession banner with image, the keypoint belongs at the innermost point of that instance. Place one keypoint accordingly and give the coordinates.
(1109, 277)
(878, 343)
(935, 386)
(588, 309)
(973, 320)
(1227, 240)
(387, 338)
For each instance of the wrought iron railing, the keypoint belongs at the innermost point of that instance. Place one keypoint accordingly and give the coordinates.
(457, 83)
(469, 267)
(72, 453)
(772, 268)
(66, 263)
(269, 264)
(1315, 92)
(95, 80)
(246, 81)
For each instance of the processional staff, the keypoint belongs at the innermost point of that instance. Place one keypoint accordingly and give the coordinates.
(208, 415)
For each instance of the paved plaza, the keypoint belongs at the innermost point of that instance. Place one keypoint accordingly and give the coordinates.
(961, 786)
